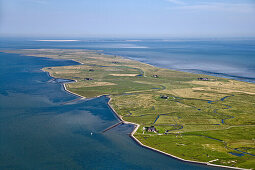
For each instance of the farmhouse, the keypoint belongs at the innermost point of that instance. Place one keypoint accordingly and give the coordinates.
(150, 129)
(203, 78)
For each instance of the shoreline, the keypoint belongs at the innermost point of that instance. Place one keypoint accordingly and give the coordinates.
(64, 85)
(136, 126)
(201, 72)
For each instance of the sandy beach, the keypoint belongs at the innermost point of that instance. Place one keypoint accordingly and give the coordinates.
(58, 40)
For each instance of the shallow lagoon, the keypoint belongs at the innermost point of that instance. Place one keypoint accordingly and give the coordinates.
(39, 129)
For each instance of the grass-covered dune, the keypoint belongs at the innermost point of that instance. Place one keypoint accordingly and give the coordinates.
(202, 120)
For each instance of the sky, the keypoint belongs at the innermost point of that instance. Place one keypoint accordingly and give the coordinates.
(128, 18)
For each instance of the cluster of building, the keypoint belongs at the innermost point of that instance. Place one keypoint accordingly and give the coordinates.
(203, 78)
(150, 129)
(115, 62)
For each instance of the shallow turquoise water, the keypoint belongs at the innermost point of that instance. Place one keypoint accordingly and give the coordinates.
(40, 130)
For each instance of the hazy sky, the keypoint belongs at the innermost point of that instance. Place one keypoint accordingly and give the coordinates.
(116, 18)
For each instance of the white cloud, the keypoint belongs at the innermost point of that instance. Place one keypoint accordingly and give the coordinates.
(212, 6)
(39, 1)
(177, 2)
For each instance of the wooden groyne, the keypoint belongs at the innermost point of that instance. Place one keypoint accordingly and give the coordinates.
(113, 126)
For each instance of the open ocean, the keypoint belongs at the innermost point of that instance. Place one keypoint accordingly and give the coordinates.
(41, 128)
(231, 58)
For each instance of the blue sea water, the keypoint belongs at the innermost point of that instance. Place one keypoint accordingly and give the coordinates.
(40, 129)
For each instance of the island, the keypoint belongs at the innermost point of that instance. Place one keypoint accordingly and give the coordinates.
(192, 117)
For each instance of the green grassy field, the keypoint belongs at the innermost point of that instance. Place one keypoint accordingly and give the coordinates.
(209, 121)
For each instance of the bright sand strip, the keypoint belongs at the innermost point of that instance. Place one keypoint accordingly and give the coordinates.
(124, 75)
(80, 84)
(58, 40)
